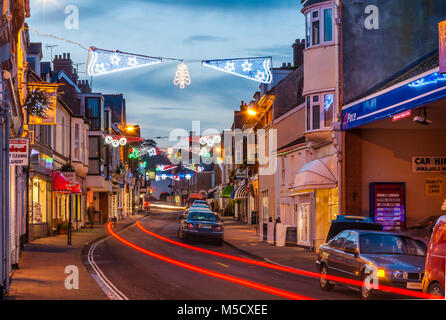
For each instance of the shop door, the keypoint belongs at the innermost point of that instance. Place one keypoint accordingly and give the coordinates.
(303, 224)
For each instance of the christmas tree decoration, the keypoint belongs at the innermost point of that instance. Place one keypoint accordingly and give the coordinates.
(182, 77)
(41, 103)
(256, 69)
(102, 62)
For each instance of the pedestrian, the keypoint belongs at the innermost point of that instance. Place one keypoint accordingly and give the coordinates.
(90, 212)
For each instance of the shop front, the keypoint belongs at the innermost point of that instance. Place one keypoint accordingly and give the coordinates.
(397, 142)
(315, 200)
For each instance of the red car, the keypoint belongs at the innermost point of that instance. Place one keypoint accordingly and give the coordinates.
(434, 280)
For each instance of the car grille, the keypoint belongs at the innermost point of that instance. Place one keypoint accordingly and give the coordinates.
(415, 276)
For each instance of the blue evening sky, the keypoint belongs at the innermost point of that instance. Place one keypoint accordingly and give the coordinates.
(186, 29)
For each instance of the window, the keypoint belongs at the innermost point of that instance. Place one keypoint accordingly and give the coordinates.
(338, 241)
(76, 141)
(94, 113)
(283, 170)
(291, 170)
(351, 242)
(317, 117)
(94, 164)
(63, 136)
(319, 27)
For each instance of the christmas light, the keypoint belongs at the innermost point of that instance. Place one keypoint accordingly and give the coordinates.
(115, 142)
(182, 77)
(102, 62)
(256, 69)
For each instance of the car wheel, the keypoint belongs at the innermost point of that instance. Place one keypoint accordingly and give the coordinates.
(324, 283)
(435, 289)
(365, 292)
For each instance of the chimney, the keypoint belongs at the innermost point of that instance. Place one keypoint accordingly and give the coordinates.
(84, 86)
(65, 64)
(298, 48)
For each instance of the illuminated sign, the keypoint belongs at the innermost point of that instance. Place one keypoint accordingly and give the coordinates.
(256, 69)
(403, 115)
(442, 46)
(102, 62)
(19, 152)
(428, 164)
(51, 112)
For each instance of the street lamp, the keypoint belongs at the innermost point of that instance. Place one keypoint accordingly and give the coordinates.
(251, 112)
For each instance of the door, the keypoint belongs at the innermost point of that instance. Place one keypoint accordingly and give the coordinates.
(350, 263)
(303, 224)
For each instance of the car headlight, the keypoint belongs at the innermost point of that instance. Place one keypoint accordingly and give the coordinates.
(395, 274)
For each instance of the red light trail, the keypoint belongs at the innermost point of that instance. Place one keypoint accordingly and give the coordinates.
(384, 288)
(243, 282)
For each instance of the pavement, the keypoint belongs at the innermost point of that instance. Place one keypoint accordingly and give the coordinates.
(246, 239)
(41, 274)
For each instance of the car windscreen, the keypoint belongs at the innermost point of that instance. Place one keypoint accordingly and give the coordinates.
(389, 244)
(203, 216)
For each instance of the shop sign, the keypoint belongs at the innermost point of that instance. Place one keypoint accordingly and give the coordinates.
(423, 90)
(19, 152)
(442, 46)
(428, 164)
(403, 115)
(433, 187)
(388, 205)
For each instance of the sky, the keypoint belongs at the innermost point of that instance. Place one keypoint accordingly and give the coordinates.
(184, 29)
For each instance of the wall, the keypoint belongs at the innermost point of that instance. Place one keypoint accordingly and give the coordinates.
(320, 69)
(387, 157)
(408, 30)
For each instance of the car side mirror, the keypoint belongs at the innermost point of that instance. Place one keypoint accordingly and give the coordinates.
(350, 250)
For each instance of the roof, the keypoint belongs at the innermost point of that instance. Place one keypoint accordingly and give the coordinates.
(307, 3)
(296, 142)
(428, 62)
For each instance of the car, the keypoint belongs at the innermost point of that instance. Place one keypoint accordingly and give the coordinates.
(203, 224)
(199, 205)
(344, 222)
(197, 202)
(389, 259)
(434, 278)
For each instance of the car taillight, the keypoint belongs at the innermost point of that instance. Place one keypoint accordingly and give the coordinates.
(218, 228)
(190, 226)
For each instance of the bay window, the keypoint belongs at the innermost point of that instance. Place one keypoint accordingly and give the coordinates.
(319, 111)
(319, 27)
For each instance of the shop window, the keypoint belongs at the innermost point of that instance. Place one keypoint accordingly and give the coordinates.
(319, 27)
(317, 117)
(39, 201)
(94, 113)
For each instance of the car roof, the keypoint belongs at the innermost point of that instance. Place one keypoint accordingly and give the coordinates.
(361, 232)
(441, 220)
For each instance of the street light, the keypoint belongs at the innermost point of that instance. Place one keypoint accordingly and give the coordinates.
(251, 112)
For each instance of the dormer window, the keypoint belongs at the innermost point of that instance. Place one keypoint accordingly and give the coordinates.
(319, 27)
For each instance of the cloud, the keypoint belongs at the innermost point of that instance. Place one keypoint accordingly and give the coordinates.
(204, 38)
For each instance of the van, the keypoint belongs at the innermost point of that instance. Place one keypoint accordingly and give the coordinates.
(434, 279)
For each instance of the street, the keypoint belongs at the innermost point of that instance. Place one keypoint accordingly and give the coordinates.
(140, 277)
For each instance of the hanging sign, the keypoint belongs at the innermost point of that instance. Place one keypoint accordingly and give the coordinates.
(102, 62)
(19, 152)
(428, 164)
(442, 46)
(50, 112)
(256, 69)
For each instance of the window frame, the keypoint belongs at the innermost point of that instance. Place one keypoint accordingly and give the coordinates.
(321, 18)
(309, 111)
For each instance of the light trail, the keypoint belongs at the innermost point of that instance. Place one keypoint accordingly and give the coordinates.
(358, 283)
(240, 281)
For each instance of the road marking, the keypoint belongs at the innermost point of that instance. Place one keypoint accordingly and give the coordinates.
(222, 264)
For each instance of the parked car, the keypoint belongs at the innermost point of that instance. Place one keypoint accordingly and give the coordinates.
(200, 223)
(398, 260)
(194, 197)
(202, 202)
(344, 222)
(434, 279)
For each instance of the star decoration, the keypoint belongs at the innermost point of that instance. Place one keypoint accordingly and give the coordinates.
(164, 177)
(230, 66)
(115, 59)
(132, 62)
(188, 176)
(247, 66)
(100, 68)
(260, 76)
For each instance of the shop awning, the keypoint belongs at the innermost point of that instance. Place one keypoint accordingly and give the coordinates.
(227, 191)
(60, 182)
(241, 192)
(317, 174)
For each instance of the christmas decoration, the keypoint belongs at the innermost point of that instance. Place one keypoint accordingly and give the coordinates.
(102, 62)
(38, 103)
(256, 69)
(115, 141)
(182, 77)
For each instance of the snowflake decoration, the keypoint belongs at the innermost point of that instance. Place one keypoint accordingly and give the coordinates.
(261, 76)
(164, 177)
(115, 59)
(247, 66)
(200, 169)
(100, 68)
(152, 152)
(188, 176)
(230, 66)
(132, 62)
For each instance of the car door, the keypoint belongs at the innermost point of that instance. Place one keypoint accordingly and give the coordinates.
(334, 258)
(350, 262)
